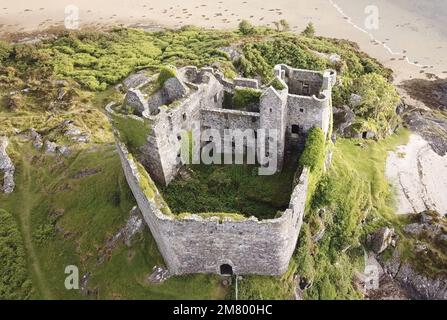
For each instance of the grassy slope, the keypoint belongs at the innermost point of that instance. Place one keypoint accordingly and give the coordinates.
(359, 186)
(94, 208)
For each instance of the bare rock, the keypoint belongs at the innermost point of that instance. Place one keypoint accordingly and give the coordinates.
(355, 100)
(7, 167)
(36, 138)
(343, 119)
(158, 275)
(381, 239)
(49, 146)
(133, 226)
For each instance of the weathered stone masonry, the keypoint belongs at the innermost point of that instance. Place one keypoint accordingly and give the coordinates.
(198, 244)
(201, 245)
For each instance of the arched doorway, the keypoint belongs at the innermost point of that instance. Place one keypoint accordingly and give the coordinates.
(226, 270)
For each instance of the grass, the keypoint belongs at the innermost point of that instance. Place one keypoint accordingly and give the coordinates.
(133, 131)
(93, 208)
(357, 199)
(232, 189)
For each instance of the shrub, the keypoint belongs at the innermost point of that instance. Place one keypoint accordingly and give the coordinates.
(245, 97)
(314, 151)
(246, 28)
(284, 24)
(309, 31)
(166, 73)
(5, 50)
(378, 103)
(14, 281)
(277, 84)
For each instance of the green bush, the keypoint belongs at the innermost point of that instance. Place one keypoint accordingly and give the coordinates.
(5, 50)
(379, 101)
(246, 28)
(314, 151)
(309, 31)
(277, 84)
(14, 280)
(245, 97)
(166, 73)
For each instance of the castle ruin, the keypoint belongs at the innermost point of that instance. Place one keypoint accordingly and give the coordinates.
(197, 100)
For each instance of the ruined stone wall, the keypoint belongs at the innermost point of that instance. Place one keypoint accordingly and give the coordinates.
(308, 112)
(201, 245)
(297, 79)
(165, 139)
(273, 110)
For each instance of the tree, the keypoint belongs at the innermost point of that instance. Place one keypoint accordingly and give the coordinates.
(379, 98)
(309, 31)
(246, 28)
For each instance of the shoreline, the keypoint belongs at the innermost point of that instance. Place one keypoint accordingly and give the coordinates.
(345, 23)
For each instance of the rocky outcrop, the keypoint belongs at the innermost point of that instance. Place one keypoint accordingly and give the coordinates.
(416, 284)
(381, 239)
(343, 119)
(431, 127)
(6, 167)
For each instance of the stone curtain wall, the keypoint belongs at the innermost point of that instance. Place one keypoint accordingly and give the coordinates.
(201, 245)
(308, 112)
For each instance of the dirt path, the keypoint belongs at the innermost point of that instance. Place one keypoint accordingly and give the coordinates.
(29, 199)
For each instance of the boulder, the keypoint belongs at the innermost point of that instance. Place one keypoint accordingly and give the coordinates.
(37, 138)
(7, 167)
(415, 283)
(344, 117)
(49, 146)
(381, 239)
(355, 100)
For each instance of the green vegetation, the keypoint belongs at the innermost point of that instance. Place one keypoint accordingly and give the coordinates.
(64, 219)
(14, 279)
(314, 151)
(245, 98)
(133, 131)
(277, 84)
(235, 189)
(246, 28)
(378, 103)
(356, 199)
(86, 212)
(166, 73)
(309, 31)
(268, 287)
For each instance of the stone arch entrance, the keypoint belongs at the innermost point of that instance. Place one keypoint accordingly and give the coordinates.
(226, 269)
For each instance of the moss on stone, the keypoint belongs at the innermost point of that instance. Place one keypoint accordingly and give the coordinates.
(277, 84)
(133, 132)
(166, 73)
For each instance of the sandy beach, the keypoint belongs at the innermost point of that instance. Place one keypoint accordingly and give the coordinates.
(419, 176)
(409, 42)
